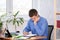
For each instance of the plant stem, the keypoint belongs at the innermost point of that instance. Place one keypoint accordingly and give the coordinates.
(6, 25)
(15, 27)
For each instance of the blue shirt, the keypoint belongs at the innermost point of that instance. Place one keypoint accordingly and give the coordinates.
(41, 28)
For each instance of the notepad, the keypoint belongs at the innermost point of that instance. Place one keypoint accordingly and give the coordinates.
(30, 35)
(21, 37)
(25, 37)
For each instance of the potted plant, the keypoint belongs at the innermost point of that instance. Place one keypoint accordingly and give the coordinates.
(16, 21)
(13, 20)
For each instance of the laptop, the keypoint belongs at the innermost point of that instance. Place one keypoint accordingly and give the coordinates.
(8, 34)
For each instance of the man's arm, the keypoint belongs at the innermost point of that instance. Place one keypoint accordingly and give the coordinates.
(43, 28)
(25, 33)
(26, 29)
(38, 37)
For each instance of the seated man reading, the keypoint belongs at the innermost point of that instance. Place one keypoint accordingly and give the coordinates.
(37, 25)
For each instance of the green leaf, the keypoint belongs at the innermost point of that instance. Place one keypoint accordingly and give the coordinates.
(16, 13)
(7, 21)
(18, 23)
(1, 24)
(22, 20)
(10, 21)
(14, 21)
(3, 15)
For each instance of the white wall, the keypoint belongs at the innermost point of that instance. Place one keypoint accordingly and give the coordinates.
(58, 5)
(9, 7)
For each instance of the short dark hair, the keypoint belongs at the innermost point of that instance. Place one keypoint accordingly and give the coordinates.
(33, 12)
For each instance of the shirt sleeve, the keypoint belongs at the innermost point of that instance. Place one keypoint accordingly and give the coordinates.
(41, 30)
(27, 28)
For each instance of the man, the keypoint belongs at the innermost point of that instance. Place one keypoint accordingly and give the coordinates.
(37, 24)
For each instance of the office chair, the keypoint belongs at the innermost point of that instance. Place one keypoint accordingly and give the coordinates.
(50, 29)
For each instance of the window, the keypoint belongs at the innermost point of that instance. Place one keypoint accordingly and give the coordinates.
(2, 7)
(22, 5)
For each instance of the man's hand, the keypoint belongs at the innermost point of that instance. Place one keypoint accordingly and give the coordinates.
(25, 33)
(35, 21)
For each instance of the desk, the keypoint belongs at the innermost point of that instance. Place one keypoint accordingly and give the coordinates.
(32, 38)
(38, 37)
(3, 38)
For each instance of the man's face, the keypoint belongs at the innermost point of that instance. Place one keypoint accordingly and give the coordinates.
(34, 18)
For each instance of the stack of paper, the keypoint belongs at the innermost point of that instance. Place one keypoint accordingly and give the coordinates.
(24, 37)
